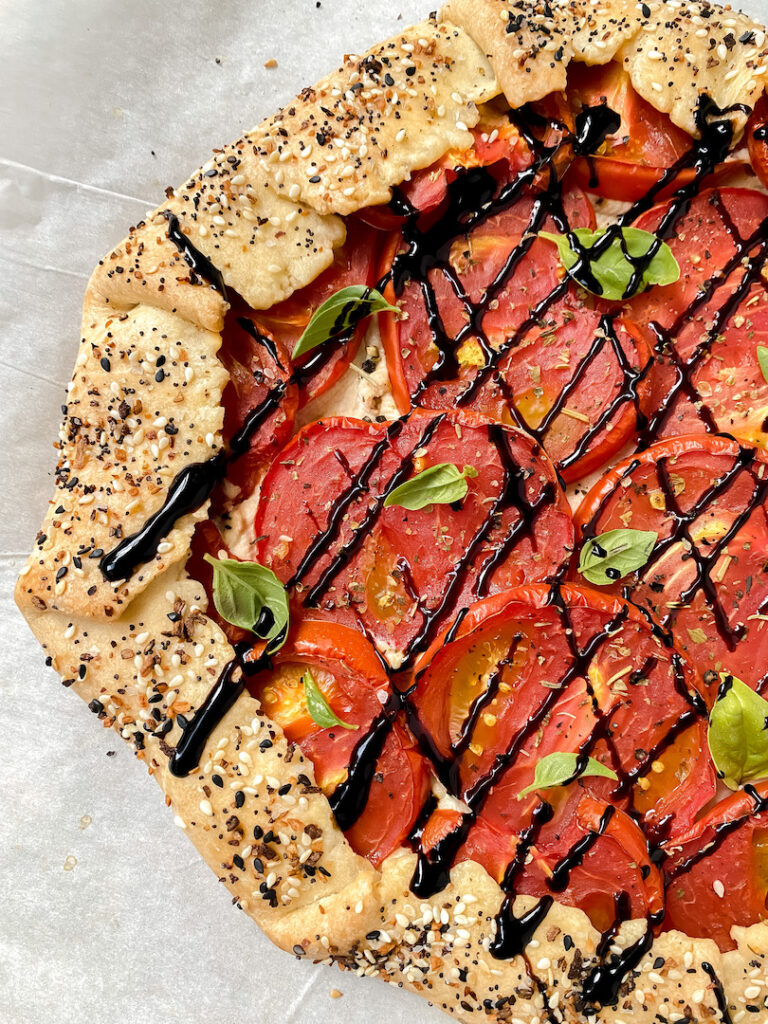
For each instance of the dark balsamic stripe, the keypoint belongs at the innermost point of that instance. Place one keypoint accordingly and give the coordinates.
(720, 996)
(189, 489)
(189, 750)
(720, 834)
(359, 485)
(198, 262)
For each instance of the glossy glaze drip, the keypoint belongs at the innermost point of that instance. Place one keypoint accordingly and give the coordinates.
(195, 734)
(602, 985)
(719, 991)
(199, 264)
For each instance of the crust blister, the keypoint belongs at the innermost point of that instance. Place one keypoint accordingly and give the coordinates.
(141, 671)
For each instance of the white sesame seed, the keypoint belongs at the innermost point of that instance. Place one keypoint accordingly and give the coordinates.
(178, 821)
(719, 888)
(205, 807)
(752, 992)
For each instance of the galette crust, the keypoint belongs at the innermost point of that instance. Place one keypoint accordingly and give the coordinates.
(143, 652)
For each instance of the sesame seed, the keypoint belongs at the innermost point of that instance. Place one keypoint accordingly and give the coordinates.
(719, 888)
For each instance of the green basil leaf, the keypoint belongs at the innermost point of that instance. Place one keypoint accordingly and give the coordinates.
(339, 313)
(762, 358)
(738, 733)
(559, 768)
(320, 710)
(250, 596)
(611, 269)
(438, 485)
(612, 555)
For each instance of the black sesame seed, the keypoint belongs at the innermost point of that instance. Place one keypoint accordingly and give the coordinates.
(567, 942)
(239, 799)
(284, 789)
(105, 364)
(658, 963)
(96, 707)
(265, 744)
(217, 781)
(298, 950)
(238, 861)
(258, 863)
(258, 831)
(314, 179)
(160, 376)
(61, 573)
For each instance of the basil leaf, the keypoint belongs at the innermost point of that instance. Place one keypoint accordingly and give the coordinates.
(612, 555)
(438, 485)
(250, 596)
(340, 313)
(762, 358)
(559, 768)
(611, 269)
(320, 710)
(738, 733)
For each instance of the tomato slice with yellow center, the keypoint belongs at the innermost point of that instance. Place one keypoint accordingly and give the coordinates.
(349, 675)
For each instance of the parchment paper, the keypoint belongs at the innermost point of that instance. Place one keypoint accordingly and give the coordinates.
(107, 914)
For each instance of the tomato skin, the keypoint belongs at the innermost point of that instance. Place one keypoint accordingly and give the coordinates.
(404, 554)
(629, 497)
(354, 263)
(739, 863)
(352, 679)
(619, 861)
(731, 394)
(758, 147)
(256, 363)
(521, 635)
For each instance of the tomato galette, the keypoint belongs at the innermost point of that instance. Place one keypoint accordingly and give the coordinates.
(411, 514)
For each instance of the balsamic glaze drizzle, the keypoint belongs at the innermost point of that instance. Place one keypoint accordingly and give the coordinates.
(474, 197)
(720, 996)
(200, 265)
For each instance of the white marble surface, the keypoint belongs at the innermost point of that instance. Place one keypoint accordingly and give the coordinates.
(104, 103)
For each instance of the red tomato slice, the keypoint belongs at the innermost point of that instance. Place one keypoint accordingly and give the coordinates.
(350, 677)
(618, 861)
(401, 575)
(717, 872)
(706, 579)
(257, 364)
(756, 143)
(616, 858)
(566, 378)
(714, 337)
(647, 143)
(354, 263)
(508, 683)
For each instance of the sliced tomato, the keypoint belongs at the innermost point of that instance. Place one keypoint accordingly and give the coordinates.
(617, 861)
(401, 575)
(717, 872)
(646, 144)
(353, 263)
(707, 377)
(513, 680)
(571, 378)
(707, 578)
(350, 676)
(757, 139)
(259, 370)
